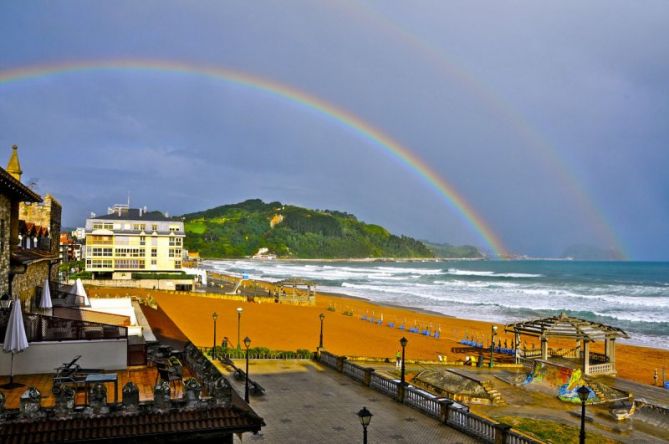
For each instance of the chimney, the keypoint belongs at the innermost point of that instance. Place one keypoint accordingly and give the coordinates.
(14, 166)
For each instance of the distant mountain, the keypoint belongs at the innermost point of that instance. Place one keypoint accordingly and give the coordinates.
(591, 253)
(241, 229)
(452, 251)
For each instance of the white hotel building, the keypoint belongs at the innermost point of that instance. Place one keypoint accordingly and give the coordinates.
(128, 240)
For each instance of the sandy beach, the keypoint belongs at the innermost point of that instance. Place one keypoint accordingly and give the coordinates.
(291, 327)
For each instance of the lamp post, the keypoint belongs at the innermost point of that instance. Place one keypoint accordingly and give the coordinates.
(239, 325)
(320, 343)
(247, 344)
(365, 417)
(214, 316)
(403, 343)
(583, 393)
(491, 364)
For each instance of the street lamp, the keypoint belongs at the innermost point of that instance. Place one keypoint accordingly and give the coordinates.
(320, 344)
(365, 417)
(239, 324)
(492, 346)
(583, 394)
(214, 316)
(403, 343)
(247, 344)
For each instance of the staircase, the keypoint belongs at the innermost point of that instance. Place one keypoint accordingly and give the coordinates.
(495, 396)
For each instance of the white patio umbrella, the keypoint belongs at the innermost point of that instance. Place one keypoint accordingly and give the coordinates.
(45, 303)
(79, 292)
(15, 339)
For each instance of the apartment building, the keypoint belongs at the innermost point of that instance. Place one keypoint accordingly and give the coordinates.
(128, 240)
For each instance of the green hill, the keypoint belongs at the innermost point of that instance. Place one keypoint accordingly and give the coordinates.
(241, 229)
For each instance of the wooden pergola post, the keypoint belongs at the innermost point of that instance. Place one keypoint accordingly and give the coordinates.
(586, 356)
(544, 347)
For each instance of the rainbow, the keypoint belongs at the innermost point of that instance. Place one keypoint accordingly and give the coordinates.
(547, 153)
(327, 110)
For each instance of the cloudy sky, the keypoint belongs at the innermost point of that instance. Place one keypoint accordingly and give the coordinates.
(548, 118)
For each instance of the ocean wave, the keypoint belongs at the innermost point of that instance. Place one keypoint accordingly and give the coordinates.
(458, 272)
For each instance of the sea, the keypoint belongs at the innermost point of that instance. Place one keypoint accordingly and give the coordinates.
(633, 296)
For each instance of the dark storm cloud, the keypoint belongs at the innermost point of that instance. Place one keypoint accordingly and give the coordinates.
(590, 80)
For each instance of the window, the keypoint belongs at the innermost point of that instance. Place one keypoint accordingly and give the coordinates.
(177, 264)
(154, 262)
(97, 251)
(154, 252)
(142, 240)
(99, 263)
(129, 264)
(139, 227)
(171, 254)
(154, 227)
(103, 226)
(130, 252)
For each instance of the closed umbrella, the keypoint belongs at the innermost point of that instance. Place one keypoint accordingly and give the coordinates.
(45, 303)
(15, 339)
(79, 292)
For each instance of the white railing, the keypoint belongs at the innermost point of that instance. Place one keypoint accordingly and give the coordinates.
(328, 359)
(422, 402)
(600, 369)
(513, 437)
(472, 425)
(354, 371)
(384, 385)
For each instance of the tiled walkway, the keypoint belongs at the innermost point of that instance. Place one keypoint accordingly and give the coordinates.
(307, 403)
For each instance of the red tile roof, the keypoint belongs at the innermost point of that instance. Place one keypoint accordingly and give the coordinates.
(117, 426)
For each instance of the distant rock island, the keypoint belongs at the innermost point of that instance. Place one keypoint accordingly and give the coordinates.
(288, 231)
(448, 251)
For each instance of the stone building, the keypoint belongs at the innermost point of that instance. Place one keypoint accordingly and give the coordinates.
(29, 234)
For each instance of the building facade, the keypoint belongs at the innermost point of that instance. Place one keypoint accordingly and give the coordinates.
(29, 234)
(128, 240)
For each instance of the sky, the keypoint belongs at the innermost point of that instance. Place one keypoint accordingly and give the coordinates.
(548, 119)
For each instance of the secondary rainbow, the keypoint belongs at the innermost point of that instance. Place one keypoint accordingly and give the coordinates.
(372, 135)
(503, 110)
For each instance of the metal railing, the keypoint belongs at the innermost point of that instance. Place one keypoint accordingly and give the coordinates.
(41, 328)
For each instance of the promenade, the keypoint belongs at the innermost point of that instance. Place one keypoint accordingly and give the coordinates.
(308, 403)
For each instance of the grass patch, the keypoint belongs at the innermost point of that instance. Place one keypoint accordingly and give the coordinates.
(553, 432)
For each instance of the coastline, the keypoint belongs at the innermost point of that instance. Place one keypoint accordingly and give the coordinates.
(292, 327)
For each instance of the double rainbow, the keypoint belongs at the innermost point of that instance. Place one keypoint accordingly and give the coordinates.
(366, 131)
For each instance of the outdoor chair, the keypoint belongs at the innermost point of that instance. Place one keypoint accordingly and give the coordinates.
(401, 327)
(391, 324)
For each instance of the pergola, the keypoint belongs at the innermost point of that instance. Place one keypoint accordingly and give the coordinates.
(296, 283)
(582, 331)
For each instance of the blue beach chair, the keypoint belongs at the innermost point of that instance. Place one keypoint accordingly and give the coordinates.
(391, 324)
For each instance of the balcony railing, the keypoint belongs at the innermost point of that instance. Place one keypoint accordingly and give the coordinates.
(41, 328)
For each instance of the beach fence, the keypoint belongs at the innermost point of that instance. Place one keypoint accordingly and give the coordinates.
(443, 409)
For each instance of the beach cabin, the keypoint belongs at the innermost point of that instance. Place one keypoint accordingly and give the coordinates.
(582, 331)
